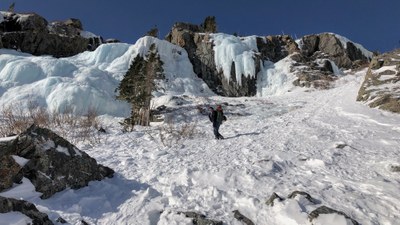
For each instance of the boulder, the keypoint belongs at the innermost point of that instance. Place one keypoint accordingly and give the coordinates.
(54, 163)
(26, 208)
(13, 22)
(10, 172)
(381, 86)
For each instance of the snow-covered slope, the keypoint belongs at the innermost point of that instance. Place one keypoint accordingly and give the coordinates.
(89, 80)
(340, 152)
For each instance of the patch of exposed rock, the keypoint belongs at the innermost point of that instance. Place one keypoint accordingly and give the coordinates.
(309, 201)
(53, 163)
(31, 33)
(26, 208)
(200, 219)
(381, 87)
(326, 210)
(313, 72)
(239, 216)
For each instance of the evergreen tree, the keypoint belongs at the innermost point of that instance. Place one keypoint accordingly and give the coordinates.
(137, 86)
(153, 32)
(209, 25)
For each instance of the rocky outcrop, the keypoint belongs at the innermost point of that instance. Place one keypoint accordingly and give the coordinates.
(32, 33)
(315, 71)
(53, 163)
(381, 87)
(26, 208)
(344, 53)
(317, 58)
(200, 48)
(321, 58)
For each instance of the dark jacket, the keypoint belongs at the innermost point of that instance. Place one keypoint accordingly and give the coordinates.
(216, 117)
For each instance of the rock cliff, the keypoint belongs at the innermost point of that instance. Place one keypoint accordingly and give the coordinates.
(31, 33)
(317, 58)
(381, 87)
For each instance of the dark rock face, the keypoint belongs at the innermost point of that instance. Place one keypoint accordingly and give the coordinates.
(54, 163)
(200, 52)
(332, 47)
(31, 33)
(381, 86)
(26, 208)
(275, 48)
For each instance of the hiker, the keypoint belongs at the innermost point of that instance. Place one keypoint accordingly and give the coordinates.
(217, 117)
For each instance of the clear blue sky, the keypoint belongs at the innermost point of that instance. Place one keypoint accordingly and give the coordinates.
(372, 23)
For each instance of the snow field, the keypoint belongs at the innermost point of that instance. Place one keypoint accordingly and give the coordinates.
(276, 144)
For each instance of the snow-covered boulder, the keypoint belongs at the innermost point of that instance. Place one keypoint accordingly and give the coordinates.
(51, 163)
(8, 205)
(381, 87)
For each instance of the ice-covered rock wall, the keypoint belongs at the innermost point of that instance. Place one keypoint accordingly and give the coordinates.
(89, 80)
